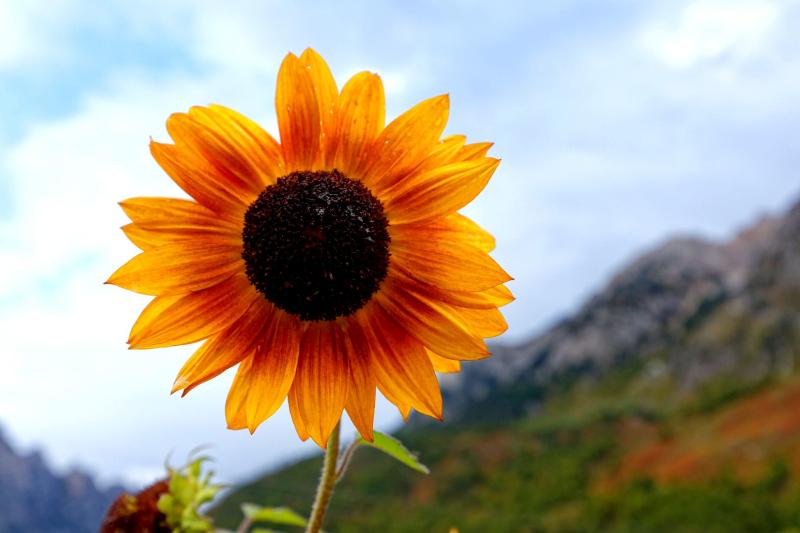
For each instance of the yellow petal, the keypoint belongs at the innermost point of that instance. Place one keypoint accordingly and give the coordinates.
(298, 115)
(197, 315)
(210, 135)
(473, 151)
(438, 192)
(156, 213)
(490, 298)
(142, 238)
(406, 140)
(179, 267)
(249, 140)
(360, 115)
(321, 381)
(152, 311)
(327, 94)
(193, 174)
(485, 323)
(442, 364)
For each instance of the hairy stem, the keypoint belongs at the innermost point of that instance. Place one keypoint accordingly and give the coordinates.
(327, 481)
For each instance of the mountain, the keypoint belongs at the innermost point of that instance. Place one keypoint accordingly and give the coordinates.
(670, 401)
(34, 499)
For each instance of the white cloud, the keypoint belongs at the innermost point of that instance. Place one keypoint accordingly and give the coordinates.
(710, 30)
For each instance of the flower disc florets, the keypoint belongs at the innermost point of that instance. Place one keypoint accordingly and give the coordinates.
(316, 244)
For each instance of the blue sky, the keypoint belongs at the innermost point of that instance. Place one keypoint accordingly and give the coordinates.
(619, 124)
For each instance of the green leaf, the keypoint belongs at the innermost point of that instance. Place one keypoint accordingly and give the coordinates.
(275, 515)
(394, 448)
(262, 530)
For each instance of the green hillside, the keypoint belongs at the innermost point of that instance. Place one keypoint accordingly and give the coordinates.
(583, 464)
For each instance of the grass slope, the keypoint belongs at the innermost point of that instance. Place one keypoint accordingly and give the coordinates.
(593, 459)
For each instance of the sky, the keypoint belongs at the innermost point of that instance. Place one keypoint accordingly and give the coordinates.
(619, 124)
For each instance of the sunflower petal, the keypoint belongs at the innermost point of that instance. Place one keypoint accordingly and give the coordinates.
(294, 409)
(438, 192)
(433, 323)
(360, 116)
(197, 315)
(273, 368)
(179, 267)
(486, 323)
(473, 151)
(406, 140)
(298, 115)
(226, 348)
(442, 259)
(193, 174)
(210, 136)
(401, 365)
(173, 213)
(235, 414)
(322, 379)
(258, 150)
(442, 364)
(327, 94)
(360, 403)
(152, 311)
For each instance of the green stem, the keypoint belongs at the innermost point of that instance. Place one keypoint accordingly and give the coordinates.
(327, 481)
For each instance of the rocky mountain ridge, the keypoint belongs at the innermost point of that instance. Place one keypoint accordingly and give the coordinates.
(35, 499)
(657, 301)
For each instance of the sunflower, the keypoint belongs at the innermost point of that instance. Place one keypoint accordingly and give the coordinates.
(325, 266)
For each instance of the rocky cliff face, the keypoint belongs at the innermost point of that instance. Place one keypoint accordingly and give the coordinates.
(34, 499)
(678, 305)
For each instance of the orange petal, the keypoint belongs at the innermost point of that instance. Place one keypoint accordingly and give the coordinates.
(156, 213)
(179, 267)
(442, 364)
(298, 115)
(442, 259)
(485, 323)
(402, 407)
(201, 133)
(194, 175)
(235, 403)
(321, 381)
(226, 348)
(406, 140)
(197, 315)
(443, 153)
(146, 239)
(327, 94)
(152, 311)
(490, 298)
(299, 424)
(401, 365)
(273, 368)
(438, 192)
(360, 115)
(143, 239)
(433, 323)
(473, 151)
(360, 403)
(260, 153)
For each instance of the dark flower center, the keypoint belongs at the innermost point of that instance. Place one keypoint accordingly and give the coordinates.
(316, 244)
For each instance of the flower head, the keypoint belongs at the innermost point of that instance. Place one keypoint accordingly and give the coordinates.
(325, 266)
